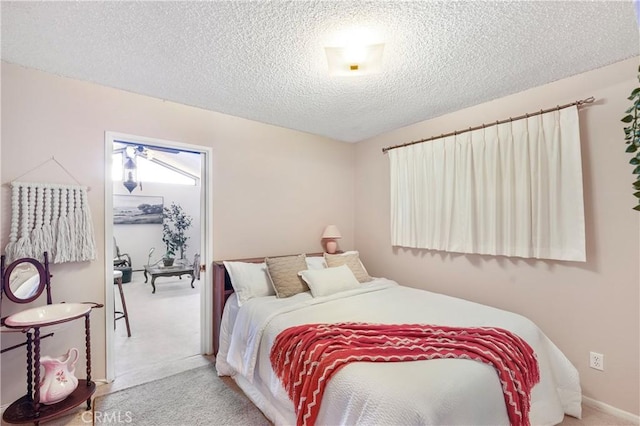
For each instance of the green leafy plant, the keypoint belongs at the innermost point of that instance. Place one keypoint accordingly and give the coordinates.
(632, 137)
(174, 226)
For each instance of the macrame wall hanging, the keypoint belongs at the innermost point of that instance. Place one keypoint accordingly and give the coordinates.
(53, 218)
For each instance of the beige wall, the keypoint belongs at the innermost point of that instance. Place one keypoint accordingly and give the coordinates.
(274, 189)
(592, 306)
(271, 192)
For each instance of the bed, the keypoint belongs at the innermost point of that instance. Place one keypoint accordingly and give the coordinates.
(434, 391)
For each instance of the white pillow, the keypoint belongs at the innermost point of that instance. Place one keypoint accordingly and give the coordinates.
(323, 282)
(249, 280)
(316, 262)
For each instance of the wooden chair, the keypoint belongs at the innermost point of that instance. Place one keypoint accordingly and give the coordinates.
(120, 259)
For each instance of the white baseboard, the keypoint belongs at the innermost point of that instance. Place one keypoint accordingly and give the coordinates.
(606, 408)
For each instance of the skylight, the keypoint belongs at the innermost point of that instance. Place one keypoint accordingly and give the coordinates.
(152, 171)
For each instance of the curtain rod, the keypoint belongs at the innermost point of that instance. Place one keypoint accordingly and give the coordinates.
(589, 100)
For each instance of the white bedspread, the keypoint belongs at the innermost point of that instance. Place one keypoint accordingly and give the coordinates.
(436, 392)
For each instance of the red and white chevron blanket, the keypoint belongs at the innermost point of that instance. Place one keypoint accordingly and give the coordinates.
(306, 356)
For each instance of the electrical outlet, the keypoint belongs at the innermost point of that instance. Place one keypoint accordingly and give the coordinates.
(596, 361)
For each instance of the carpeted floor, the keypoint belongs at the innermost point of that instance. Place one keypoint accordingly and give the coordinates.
(194, 397)
(165, 326)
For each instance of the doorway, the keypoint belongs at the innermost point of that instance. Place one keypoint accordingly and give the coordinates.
(168, 307)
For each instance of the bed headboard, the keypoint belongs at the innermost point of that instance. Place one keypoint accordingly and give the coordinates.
(222, 289)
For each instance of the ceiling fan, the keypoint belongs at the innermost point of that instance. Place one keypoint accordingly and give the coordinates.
(130, 152)
(143, 149)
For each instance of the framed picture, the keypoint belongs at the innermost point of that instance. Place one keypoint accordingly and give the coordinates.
(137, 210)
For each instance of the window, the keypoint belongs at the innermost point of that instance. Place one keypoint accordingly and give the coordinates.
(513, 189)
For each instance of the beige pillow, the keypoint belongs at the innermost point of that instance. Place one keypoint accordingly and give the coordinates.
(283, 272)
(352, 260)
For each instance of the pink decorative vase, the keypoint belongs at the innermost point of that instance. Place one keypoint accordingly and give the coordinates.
(59, 379)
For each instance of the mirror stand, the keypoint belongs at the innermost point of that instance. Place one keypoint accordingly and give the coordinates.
(23, 281)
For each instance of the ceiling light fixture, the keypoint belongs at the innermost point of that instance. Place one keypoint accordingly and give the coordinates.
(354, 59)
(130, 171)
(130, 167)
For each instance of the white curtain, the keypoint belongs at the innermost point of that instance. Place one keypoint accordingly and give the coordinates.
(513, 189)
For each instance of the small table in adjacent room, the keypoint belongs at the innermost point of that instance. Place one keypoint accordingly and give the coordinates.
(167, 271)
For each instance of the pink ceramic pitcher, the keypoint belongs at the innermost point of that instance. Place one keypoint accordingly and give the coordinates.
(59, 379)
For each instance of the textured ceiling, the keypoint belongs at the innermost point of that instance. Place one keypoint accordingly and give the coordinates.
(265, 60)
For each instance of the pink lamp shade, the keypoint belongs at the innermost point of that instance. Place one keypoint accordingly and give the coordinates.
(329, 236)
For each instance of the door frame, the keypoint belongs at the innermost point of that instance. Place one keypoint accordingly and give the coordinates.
(206, 225)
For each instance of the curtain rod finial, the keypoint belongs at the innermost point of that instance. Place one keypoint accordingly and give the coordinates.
(589, 100)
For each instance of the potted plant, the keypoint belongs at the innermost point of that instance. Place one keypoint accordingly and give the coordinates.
(174, 226)
(632, 137)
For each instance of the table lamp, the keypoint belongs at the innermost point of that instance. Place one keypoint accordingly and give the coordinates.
(329, 236)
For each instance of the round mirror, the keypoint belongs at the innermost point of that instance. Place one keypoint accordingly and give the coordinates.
(24, 280)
